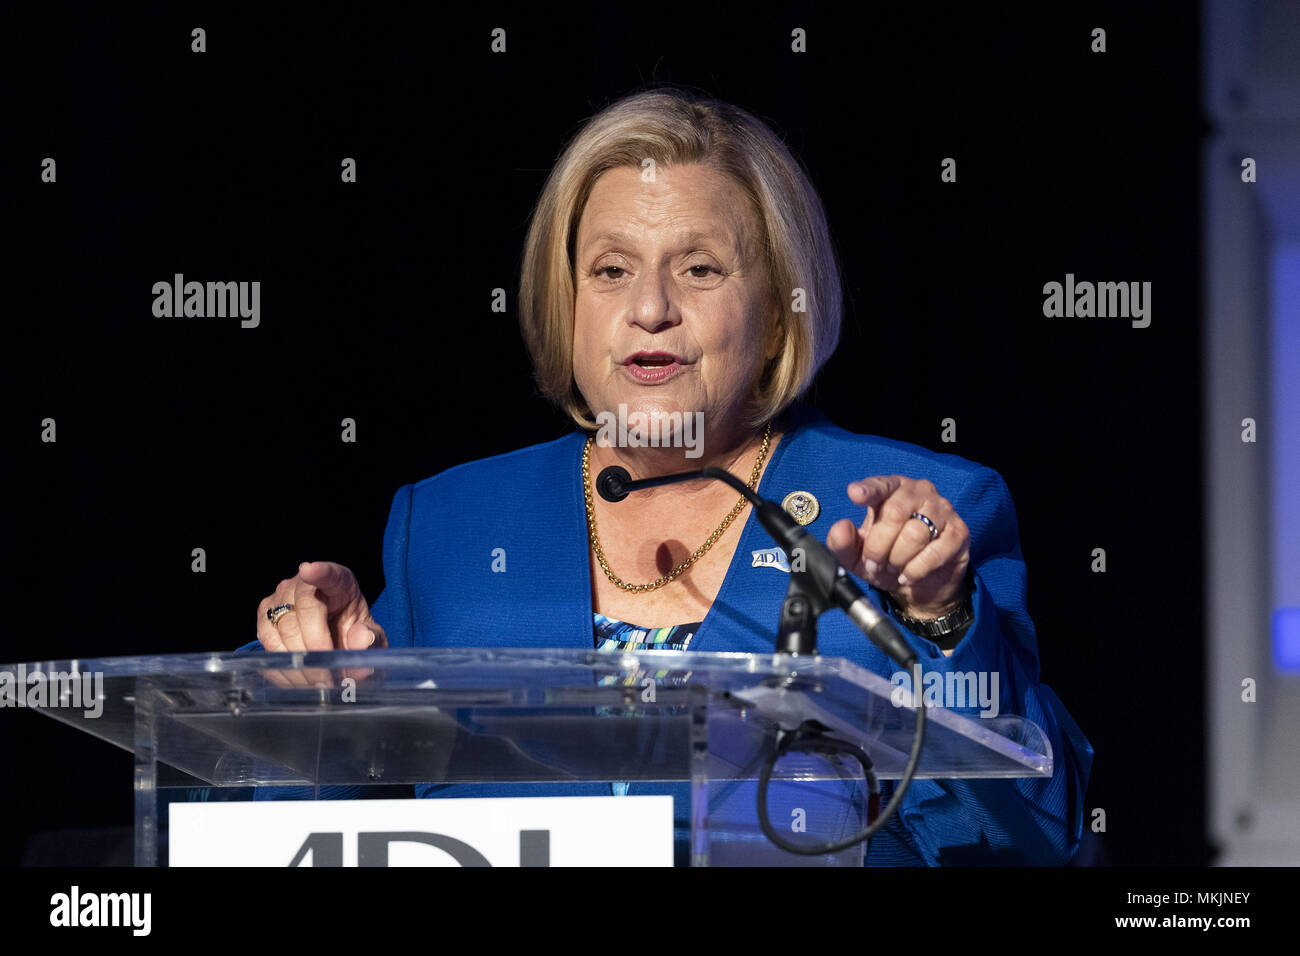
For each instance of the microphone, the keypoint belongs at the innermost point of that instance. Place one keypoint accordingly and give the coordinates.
(820, 565)
(611, 481)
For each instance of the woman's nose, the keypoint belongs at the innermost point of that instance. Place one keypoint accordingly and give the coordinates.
(653, 306)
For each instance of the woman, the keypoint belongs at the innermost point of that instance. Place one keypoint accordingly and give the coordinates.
(679, 270)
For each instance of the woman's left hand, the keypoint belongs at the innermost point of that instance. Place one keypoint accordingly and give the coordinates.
(893, 551)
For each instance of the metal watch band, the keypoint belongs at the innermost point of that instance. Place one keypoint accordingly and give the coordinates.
(940, 626)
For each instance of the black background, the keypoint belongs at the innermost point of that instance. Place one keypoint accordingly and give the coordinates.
(183, 433)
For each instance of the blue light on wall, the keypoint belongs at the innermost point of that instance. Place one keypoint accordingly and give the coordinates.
(1283, 445)
(1286, 639)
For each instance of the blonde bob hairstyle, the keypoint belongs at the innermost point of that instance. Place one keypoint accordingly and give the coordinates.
(675, 127)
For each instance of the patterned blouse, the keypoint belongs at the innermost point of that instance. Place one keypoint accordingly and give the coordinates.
(612, 635)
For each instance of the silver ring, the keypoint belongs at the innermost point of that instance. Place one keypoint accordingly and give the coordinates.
(277, 612)
(934, 532)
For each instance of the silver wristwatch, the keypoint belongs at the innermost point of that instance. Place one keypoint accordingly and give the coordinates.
(940, 626)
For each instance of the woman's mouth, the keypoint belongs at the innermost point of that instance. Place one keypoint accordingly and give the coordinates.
(651, 368)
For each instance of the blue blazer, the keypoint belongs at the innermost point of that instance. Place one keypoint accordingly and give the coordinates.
(441, 591)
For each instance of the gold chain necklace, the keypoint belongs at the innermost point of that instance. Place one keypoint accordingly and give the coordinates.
(696, 554)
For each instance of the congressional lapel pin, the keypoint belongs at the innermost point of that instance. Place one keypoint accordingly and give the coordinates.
(802, 506)
(771, 558)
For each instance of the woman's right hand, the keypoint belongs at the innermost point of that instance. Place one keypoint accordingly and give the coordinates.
(329, 612)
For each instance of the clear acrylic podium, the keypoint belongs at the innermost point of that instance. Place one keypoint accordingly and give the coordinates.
(701, 722)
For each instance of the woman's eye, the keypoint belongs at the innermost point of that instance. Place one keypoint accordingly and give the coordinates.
(605, 270)
(702, 272)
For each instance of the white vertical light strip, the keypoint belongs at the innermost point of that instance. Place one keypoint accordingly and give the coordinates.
(1236, 594)
(1230, 244)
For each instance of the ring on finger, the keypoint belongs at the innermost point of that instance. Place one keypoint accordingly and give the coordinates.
(934, 532)
(277, 612)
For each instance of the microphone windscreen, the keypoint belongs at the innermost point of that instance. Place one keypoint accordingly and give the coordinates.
(611, 481)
